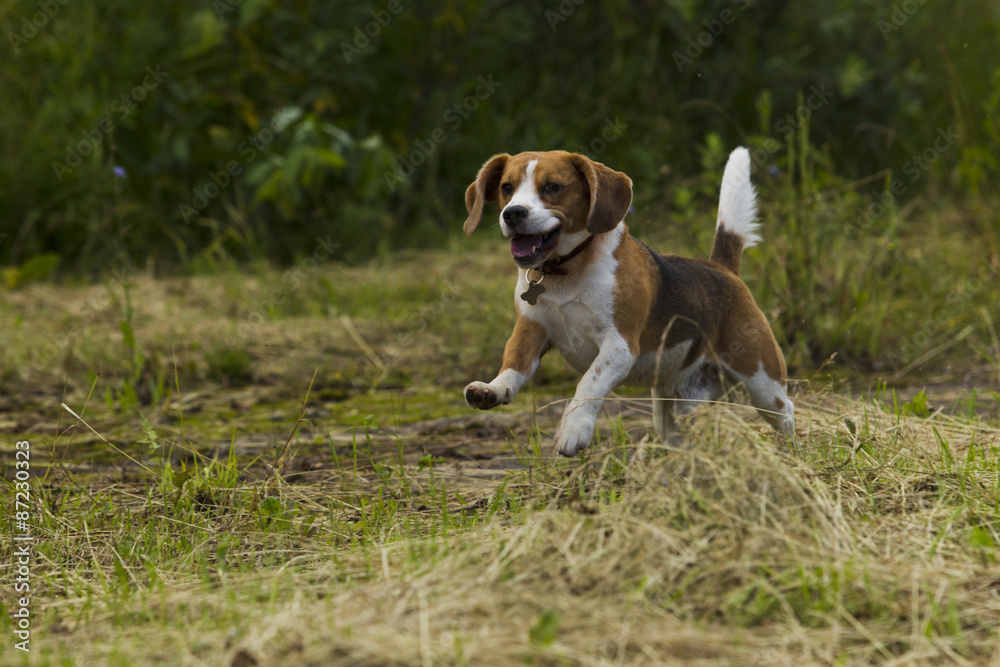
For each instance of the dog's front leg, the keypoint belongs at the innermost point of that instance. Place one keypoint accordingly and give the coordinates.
(611, 366)
(521, 358)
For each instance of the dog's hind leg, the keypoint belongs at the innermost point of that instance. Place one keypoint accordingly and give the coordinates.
(663, 414)
(770, 397)
(703, 384)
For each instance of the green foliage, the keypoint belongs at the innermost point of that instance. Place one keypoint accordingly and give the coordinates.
(129, 391)
(227, 132)
(149, 436)
(35, 268)
(918, 406)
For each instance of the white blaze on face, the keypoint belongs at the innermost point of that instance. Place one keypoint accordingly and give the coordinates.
(540, 220)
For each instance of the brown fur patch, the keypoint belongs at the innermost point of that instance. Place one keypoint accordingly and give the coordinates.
(691, 299)
(482, 190)
(610, 193)
(669, 300)
(727, 249)
(526, 344)
(745, 340)
(634, 293)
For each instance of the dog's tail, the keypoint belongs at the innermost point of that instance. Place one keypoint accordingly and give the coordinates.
(736, 229)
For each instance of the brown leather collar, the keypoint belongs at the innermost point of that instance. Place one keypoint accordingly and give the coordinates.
(553, 266)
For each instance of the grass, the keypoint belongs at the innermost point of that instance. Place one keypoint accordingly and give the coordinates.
(198, 500)
(874, 540)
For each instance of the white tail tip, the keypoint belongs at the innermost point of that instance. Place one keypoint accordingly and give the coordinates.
(737, 199)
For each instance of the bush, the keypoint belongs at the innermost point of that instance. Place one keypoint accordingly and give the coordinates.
(240, 130)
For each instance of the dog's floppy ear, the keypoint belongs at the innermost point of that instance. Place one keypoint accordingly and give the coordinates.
(610, 194)
(483, 189)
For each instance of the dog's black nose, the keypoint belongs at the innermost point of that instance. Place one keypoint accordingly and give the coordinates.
(515, 215)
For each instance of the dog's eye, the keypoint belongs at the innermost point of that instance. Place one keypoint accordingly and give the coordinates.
(552, 188)
(506, 188)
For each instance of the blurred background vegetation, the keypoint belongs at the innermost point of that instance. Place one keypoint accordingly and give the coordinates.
(200, 134)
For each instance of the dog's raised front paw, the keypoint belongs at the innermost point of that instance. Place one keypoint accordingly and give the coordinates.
(573, 436)
(481, 395)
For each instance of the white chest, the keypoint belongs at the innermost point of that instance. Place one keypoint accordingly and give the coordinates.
(575, 328)
(578, 314)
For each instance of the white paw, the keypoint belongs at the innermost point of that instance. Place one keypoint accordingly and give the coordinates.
(573, 435)
(481, 395)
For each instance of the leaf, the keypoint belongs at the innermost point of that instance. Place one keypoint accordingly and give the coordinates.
(370, 143)
(128, 336)
(149, 435)
(251, 10)
(980, 537)
(543, 632)
(341, 136)
(203, 32)
(181, 478)
(271, 190)
(11, 276)
(271, 506)
(918, 406)
(35, 268)
(330, 157)
(286, 116)
(222, 551)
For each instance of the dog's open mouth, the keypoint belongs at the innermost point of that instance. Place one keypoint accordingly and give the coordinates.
(531, 249)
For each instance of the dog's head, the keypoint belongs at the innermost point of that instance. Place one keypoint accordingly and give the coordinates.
(549, 202)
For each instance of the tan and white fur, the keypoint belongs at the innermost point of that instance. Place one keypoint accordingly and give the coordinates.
(623, 314)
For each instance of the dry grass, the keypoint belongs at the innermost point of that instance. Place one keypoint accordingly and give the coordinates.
(403, 529)
(877, 547)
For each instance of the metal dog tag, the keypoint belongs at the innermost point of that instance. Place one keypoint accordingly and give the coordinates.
(535, 290)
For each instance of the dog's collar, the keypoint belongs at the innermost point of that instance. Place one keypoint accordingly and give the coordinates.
(554, 266)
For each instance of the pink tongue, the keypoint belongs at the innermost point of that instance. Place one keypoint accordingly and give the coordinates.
(523, 245)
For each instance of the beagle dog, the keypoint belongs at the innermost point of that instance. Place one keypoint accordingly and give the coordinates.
(617, 311)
